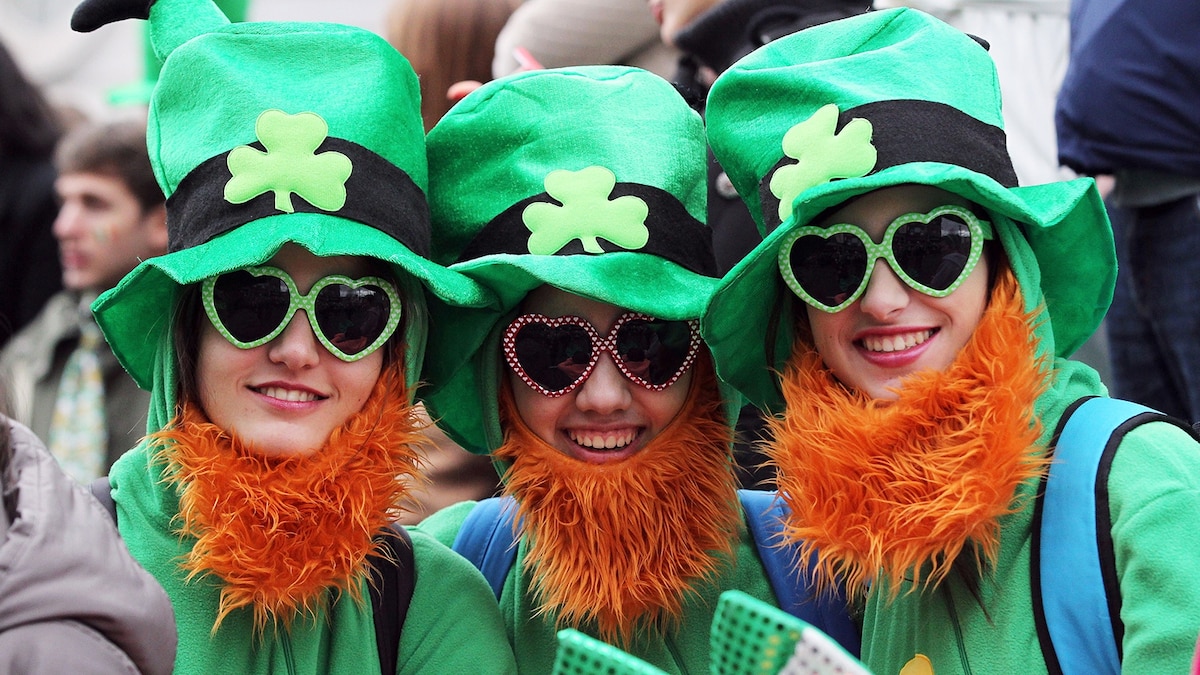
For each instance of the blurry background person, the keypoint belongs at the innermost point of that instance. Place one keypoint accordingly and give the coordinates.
(560, 33)
(29, 272)
(63, 380)
(446, 41)
(1130, 107)
(72, 599)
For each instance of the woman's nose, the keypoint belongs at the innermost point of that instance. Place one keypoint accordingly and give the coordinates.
(296, 346)
(885, 294)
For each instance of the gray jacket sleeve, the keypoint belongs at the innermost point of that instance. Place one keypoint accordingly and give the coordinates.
(72, 598)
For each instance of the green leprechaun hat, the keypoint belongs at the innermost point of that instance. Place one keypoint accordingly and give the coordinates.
(590, 179)
(886, 98)
(266, 133)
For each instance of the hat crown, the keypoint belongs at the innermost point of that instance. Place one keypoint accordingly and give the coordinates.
(213, 88)
(588, 159)
(871, 73)
(242, 126)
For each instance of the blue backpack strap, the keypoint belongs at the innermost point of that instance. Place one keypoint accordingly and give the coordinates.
(486, 538)
(765, 516)
(1074, 572)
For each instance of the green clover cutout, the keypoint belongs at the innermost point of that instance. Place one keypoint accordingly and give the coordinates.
(586, 213)
(822, 155)
(290, 164)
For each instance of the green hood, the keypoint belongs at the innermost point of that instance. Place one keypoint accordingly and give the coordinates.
(811, 120)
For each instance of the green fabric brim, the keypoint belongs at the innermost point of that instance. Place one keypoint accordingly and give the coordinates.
(462, 361)
(631, 280)
(136, 315)
(1063, 222)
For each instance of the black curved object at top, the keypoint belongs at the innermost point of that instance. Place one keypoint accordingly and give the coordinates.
(92, 14)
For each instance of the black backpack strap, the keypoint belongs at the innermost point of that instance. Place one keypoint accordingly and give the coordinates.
(393, 578)
(103, 494)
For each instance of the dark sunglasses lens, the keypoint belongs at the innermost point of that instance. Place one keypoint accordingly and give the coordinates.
(933, 253)
(250, 307)
(352, 318)
(654, 351)
(553, 356)
(830, 268)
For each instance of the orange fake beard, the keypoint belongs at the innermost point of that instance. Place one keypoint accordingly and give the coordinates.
(902, 487)
(621, 546)
(281, 532)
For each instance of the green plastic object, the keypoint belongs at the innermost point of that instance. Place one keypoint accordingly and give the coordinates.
(750, 637)
(579, 654)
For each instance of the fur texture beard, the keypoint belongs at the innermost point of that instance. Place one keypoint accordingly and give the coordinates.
(281, 533)
(902, 488)
(620, 547)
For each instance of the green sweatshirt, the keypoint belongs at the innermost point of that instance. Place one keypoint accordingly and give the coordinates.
(452, 626)
(1154, 501)
(683, 650)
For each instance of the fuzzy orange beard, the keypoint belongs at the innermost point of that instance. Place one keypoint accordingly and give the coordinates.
(621, 546)
(280, 532)
(893, 486)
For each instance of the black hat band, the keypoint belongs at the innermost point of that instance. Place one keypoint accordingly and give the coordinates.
(674, 234)
(908, 131)
(378, 194)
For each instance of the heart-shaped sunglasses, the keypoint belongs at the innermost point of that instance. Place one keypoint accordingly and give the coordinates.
(350, 317)
(829, 267)
(555, 355)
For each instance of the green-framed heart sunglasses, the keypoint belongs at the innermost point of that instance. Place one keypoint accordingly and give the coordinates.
(350, 317)
(829, 267)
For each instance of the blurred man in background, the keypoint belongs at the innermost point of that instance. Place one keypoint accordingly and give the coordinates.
(63, 381)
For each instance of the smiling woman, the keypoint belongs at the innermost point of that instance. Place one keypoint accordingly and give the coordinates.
(284, 429)
(894, 325)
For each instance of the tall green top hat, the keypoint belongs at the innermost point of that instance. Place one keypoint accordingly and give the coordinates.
(886, 98)
(266, 133)
(589, 179)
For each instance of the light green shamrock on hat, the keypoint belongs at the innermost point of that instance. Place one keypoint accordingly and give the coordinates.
(290, 164)
(586, 213)
(822, 155)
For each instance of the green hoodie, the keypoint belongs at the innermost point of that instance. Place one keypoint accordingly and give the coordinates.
(451, 627)
(684, 649)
